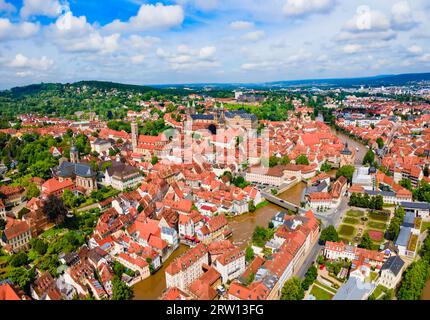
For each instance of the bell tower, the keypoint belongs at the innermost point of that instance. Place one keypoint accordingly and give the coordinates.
(134, 135)
(74, 154)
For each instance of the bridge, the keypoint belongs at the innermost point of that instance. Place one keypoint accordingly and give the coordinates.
(283, 203)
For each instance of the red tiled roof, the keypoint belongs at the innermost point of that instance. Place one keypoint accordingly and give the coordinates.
(7, 292)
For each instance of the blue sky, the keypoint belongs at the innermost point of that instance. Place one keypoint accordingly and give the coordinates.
(191, 41)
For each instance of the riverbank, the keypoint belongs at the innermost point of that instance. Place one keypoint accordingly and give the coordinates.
(426, 291)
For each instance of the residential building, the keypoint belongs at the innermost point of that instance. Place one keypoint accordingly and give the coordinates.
(16, 236)
(231, 264)
(391, 272)
(185, 269)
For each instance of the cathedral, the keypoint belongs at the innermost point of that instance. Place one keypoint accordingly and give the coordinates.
(219, 118)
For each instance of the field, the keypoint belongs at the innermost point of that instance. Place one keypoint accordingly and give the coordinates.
(378, 216)
(376, 236)
(352, 221)
(346, 230)
(321, 294)
(374, 223)
(355, 213)
(425, 226)
(377, 225)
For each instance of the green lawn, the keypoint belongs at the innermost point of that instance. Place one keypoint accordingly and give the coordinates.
(379, 290)
(52, 232)
(332, 290)
(321, 294)
(349, 220)
(425, 226)
(346, 230)
(377, 225)
(355, 213)
(262, 204)
(378, 216)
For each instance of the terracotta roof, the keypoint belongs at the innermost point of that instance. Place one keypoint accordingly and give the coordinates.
(186, 260)
(17, 228)
(7, 292)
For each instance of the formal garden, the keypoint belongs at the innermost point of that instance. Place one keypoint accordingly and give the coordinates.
(356, 223)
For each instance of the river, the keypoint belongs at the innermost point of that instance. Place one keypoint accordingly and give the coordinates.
(426, 292)
(362, 149)
(242, 226)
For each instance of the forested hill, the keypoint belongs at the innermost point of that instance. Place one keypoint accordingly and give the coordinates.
(58, 99)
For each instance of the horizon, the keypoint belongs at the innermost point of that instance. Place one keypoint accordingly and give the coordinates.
(173, 42)
(152, 85)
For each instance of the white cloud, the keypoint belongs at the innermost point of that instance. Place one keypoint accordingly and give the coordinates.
(20, 61)
(75, 34)
(402, 17)
(11, 31)
(6, 6)
(241, 25)
(301, 8)
(352, 48)
(149, 17)
(200, 4)
(142, 43)
(425, 58)
(48, 8)
(262, 65)
(254, 35)
(414, 49)
(366, 20)
(189, 58)
(138, 59)
(24, 74)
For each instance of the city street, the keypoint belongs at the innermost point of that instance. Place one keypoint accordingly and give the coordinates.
(334, 217)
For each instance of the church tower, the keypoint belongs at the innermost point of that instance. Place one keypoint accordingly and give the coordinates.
(193, 108)
(74, 154)
(134, 135)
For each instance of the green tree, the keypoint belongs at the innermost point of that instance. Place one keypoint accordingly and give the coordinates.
(19, 259)
(329, 234)
(120, 290)
(326, 167)
(249, 254)
(310, 277)
(369, 158)
(251, 206)
(422, 193)
(293, 290)
(366, 242)
(302, 159)
(54, 209)
(32, 191)
(21, 277)
(414, 280)
(406, 183)
(380, 143)
(2, 224)
(395, 223)
(284, 160)
(273, 161)
(154, 160)
(118, 269)
(39, 246)
(106, 165)
(346, 171)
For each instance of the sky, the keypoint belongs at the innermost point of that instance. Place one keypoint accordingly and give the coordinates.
(210, 41)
